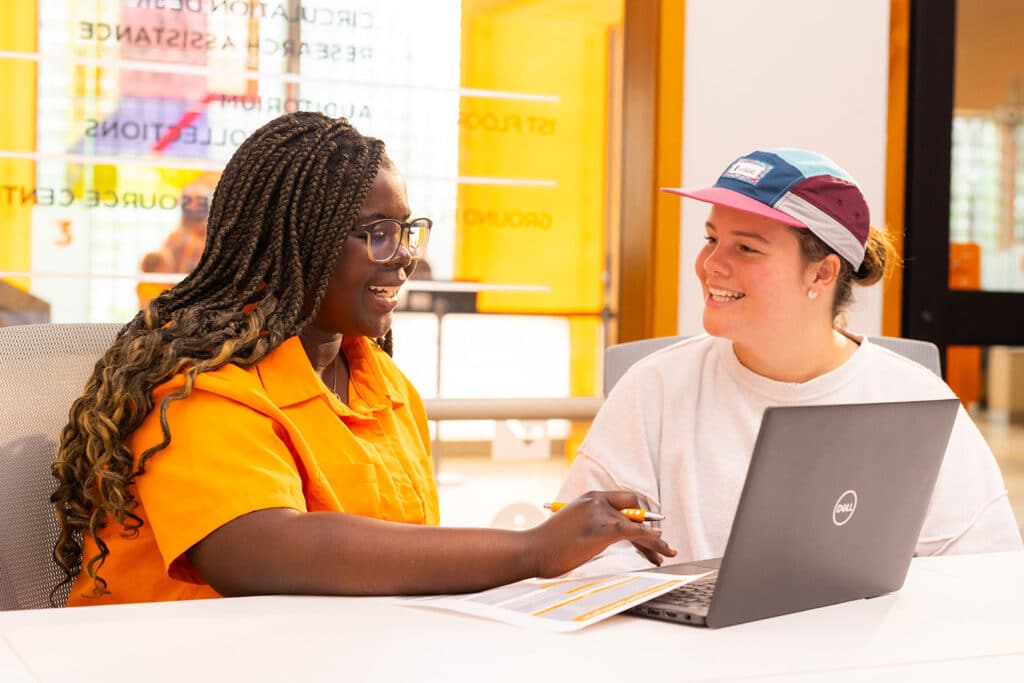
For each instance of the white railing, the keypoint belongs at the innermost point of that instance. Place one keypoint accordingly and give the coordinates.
(567, 408)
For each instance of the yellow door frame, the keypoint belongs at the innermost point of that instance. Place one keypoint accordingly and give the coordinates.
(646, 297)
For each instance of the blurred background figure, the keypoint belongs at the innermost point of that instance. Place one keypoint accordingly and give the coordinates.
(183, 246)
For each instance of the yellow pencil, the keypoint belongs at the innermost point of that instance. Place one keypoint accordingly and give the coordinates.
(635, 514)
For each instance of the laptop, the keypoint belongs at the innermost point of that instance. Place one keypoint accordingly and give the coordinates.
(831, 510)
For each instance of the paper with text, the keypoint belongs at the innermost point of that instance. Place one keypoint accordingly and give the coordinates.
(560, 604)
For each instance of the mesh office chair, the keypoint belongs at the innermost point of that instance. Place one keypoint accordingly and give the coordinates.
(43, 369)
(924, 352)
(619, 357)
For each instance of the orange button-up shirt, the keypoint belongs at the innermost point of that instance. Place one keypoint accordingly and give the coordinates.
(269, 436)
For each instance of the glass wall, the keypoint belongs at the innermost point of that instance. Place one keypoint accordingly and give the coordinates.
(986, 220)
(496, 111)
(987, 184)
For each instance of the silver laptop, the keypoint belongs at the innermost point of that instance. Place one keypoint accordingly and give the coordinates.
(831, 511)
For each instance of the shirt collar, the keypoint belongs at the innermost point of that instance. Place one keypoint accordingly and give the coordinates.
(288, 376)
(371, 385)
(788, 392)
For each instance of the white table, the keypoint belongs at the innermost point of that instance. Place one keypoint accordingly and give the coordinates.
(957, 618)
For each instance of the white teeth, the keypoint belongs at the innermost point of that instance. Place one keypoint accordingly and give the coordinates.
(724, 294)
(386, 292)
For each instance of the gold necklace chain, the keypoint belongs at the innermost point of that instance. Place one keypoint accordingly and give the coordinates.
(334, 380)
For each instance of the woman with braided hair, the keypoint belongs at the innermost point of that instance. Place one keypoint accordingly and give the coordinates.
(248, 432)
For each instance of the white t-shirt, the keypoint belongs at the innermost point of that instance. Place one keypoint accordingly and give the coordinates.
(679, 429)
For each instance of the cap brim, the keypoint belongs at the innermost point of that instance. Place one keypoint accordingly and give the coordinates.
(721, 196)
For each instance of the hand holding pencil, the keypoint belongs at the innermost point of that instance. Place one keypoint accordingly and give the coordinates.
(635, 514)
(587, 525)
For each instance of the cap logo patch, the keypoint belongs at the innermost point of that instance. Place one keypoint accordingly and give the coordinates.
(748, 170)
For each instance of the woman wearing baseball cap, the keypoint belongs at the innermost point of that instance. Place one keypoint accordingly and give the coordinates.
(787, 237)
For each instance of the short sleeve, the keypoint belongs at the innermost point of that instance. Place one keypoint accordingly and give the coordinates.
(225, 460)
(619, 450)
(969, 511)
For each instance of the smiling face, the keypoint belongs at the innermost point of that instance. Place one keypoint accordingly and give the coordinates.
(361, 294)
(754, 279)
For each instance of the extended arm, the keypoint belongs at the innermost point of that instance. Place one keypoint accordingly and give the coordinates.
(286, 551)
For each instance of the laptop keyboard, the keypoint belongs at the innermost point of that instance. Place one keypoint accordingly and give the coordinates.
(696, 594)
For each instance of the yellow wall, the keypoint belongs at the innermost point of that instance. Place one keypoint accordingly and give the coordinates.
(17, 133)
(535, 235)
(552, 236)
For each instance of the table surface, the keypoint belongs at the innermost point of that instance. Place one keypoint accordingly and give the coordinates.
(956, 617)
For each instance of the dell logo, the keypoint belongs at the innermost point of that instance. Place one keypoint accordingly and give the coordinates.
(844, 508)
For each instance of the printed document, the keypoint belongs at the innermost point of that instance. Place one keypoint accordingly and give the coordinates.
(560, 604)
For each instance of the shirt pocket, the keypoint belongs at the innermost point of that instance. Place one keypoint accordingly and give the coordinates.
(405, 503)
(358, 489)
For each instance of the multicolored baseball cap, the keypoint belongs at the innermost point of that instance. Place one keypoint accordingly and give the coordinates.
(799, 188)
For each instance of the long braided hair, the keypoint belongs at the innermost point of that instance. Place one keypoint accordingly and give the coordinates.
(280, 214)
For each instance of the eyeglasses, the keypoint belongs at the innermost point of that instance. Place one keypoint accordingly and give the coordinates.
(385, 236)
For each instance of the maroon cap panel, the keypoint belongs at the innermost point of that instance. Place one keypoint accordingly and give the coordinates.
(839, 199)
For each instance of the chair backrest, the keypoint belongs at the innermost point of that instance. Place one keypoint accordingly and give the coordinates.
(43, 369)
(924, 352)
(619, 357)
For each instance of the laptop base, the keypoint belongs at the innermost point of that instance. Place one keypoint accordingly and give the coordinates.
(650, 612)
(662, 607)
(831, 510)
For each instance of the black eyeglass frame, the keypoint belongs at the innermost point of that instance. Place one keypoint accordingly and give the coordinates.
(364, 232)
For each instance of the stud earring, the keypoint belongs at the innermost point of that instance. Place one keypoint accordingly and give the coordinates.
(811, 294)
